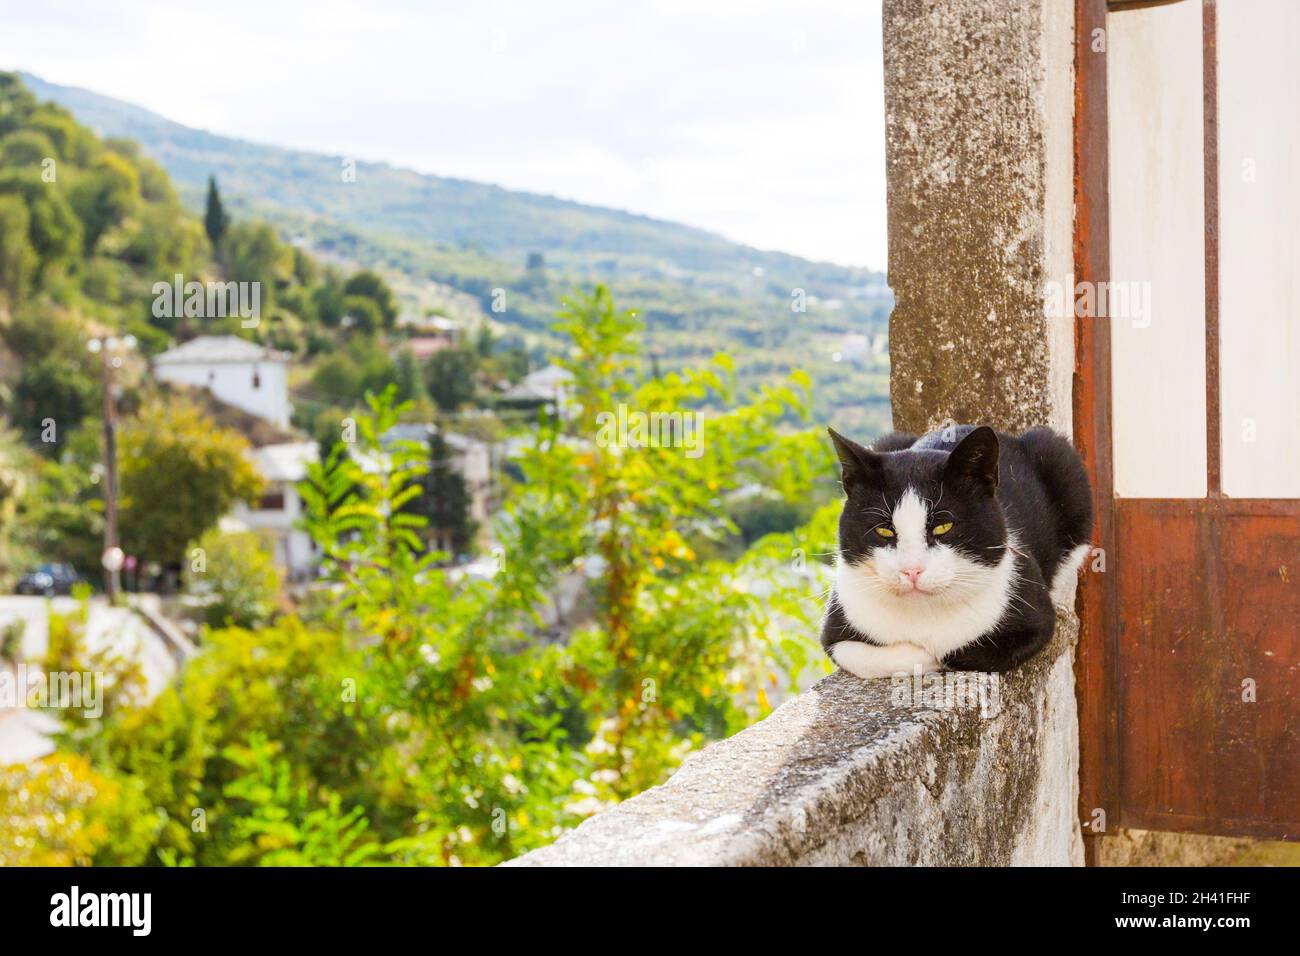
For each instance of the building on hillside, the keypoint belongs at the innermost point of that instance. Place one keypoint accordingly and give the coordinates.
(276, 514)
(436, 326)
(238, 372)
(423, 347)
(550, 387)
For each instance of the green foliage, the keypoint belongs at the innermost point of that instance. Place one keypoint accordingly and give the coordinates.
(54, 389)
(179, 474)
(363, 314)
(420, 716)
(346, 376)
(450, 377)
(53, 228)
(253, 253)
(199, 746)
(16, 483)
(278, 822)
(18, 259)
(63, 516)
(215, 220)
(237, 575)
(369, 285)
(105, 195)
(444, 502)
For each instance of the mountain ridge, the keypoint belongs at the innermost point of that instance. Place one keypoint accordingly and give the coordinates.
(185, 151)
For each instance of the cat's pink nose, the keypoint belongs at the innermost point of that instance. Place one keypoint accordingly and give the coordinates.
(911, 574)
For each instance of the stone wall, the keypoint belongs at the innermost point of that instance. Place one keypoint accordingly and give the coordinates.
(849, 773)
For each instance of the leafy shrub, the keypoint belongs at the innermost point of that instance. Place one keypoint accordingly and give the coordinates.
(237, 575)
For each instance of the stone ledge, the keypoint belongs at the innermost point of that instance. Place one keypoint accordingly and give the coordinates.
(843, 775)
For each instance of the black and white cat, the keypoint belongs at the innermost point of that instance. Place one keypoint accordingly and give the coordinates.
(954, 549)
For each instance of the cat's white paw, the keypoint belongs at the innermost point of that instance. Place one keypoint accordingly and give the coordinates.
(1067, 576)
(873, 660)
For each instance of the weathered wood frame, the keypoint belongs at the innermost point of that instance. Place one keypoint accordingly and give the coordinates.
(1194, 589)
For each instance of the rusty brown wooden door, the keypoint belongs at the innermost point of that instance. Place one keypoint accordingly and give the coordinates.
(1189, 663)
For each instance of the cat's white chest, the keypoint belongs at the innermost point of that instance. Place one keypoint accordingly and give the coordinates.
(939, 624)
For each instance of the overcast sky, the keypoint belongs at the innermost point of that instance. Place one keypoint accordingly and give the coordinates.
(761, 120)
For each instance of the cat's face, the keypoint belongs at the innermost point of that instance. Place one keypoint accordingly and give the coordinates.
(921, 525)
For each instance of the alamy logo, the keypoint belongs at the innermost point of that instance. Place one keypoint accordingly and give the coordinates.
(134, 910)
(37, 689)
(636, 429)
(948, 690)
(1099, 300)
(208, 300)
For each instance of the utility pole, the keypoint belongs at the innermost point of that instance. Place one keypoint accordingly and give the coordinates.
(112, 558)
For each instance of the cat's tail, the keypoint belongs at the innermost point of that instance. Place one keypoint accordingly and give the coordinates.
(1069, 494)
(1066, 480)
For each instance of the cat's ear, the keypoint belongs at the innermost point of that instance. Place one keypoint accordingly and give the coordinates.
(859, 466)
(976, 458)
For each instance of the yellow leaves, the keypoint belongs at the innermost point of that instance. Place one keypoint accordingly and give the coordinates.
(762, 699)
(52, 811)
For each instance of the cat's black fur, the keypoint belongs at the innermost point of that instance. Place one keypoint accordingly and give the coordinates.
(987, 482)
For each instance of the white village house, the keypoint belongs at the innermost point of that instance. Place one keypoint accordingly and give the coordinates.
(244, 374)
(551, 386)
(276, 514)
(254, 378)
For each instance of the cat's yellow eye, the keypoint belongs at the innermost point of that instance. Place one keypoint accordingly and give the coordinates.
(885, 532)
(943, 528)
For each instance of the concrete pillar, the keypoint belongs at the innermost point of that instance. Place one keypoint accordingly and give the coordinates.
(979, 158)
(979, 116)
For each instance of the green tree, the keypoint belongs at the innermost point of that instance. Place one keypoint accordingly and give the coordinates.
(409, 379)
(26, 147)
(444, 501)
(328, 300)
(53, 228)
(179, 476)
(451, 375)
(215, 220)
(52, 389)
(253, 253)
(18, 260)
(17, 476)
(370, 285)
(367, 318)
(104, 196)
(640, 514)
(64, 518)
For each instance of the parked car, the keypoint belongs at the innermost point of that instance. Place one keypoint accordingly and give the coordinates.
(48, 579)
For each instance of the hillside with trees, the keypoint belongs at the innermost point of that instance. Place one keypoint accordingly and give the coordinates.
(471, 251)
(90, 229)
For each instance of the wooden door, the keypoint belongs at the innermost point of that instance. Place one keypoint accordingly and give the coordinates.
(1187, 409)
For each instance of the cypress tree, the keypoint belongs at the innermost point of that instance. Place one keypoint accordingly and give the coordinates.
(215, 219)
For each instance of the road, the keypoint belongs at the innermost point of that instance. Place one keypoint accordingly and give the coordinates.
(24, 733)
